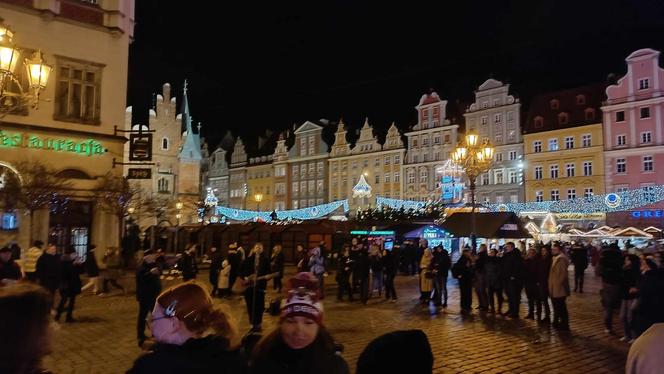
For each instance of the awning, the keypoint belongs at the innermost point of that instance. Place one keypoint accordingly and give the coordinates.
(489, 225)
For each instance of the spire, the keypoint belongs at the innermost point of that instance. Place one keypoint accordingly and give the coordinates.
(191, 148)
(184, 111)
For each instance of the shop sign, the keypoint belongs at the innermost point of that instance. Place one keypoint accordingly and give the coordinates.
(139, 173)
(88, 147)
(432, 233)
(509, 227)
(659, 213)
(364, 232)
(580, 216)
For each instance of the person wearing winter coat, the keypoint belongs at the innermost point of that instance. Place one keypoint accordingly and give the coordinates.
(579, 257)
(543, 283)
(440, 266)
(255, 266)
(235, 261)
(426, 276)
(390, 265)
(92, 270)
(301, 258)
(215, 268)
(512, 273)
(343, 275)
(376, 264)
(317, 268)
(532, 268)
(645, 355)
(277, 262)
(559, 288)
(480, 278)
(223, 284)
(494, 282)
(630, 279)
(361, 271)
(386, 353)
(463, 271)
(188, 265)
(610, 268)
(9, 269)
(48, 269)
(114, 270)
(70, 283)
(30, 260)
(193, 335)
(650, 303)
(300, 344)
(148, 287)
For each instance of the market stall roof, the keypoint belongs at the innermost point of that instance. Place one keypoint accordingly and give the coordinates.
(490, 225)
(631, 232)
(652, 230)
(315, 227)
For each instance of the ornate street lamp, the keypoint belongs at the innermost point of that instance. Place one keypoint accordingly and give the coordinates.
(475, 159)
(37, 73)
(178, 206)
(258, 197)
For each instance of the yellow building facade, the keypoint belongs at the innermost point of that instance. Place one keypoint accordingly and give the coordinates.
(564, 164)
(260, 181)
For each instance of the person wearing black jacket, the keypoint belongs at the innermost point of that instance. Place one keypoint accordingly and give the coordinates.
(92, 270)
(9, 269)
(630, 278)
(390, 263)
(70, 283)
(257, 265)
(650, 303)
(235, 261)
(512, 272)
(493, 281)
(362, 267)
(543, 282)
(277, 261)
(480, 278)
(48, 269)
(579, 257)
(464, 272)
(188, 264)
(148, 287)
(215, 267)
(343, 275)
(440, 265)
(610, 268)
(532, 269)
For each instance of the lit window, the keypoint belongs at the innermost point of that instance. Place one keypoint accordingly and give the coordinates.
(553, 144)
(569, 142)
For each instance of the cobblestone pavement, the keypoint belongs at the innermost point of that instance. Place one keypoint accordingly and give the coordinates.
(103, 338)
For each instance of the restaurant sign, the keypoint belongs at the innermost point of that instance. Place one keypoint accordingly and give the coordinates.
(88, 147)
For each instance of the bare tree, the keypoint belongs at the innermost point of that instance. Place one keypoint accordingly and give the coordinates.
(35, 187)
(114, 194)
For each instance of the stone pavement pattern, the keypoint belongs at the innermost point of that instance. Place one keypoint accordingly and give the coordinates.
(103, 340)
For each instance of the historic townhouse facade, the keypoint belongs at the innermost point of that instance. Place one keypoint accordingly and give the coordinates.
(307, 160)
(260, 180)
(564, 145)
(380, 165)
(495, 116)
(84, 99)
(634, 129)
(218, 174)
(281, 174)
(237, 177)
(430, 143)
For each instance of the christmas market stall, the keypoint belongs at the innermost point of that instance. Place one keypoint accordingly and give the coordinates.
(490, 225)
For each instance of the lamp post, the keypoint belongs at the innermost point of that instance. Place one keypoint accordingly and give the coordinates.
(258, 197)
(475, 159)
(178, 206)
(12, 93)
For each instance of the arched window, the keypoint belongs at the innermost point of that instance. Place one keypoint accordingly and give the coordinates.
(164, 143)
(563, 119)
(555, 104)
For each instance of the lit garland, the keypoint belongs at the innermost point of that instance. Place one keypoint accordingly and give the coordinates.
(313, 212)
(398, 203)
(611, 202)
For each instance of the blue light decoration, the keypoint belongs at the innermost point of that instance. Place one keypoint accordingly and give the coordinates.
(312, 212)
(611, 202)
(398, 203)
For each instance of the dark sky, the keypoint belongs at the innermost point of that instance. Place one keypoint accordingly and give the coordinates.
(255, 66)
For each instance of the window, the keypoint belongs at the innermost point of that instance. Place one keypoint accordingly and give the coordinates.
(537, 146)
(354, 164)
(487, 200)
(485, 179)
(425, 141)
(423, 175)
(303, 146)
(311, 187)
(496, 102)
(397, 159)
(648, 192)
(538, 172)
(414, 142)
(643, 84)
(620, 166)
(620, 140)
(416, 158)
(621, 189)
(319, 186)
(646, 137)
(588, 192)
(513, 177)
(586, 140)
(569, 142)
(377, 178)
(500, 199)
(514, 198)
(312, 145)
(295, 188)
(387, 160)
(539, 196)
(319, 201)
(319, 168)
(497, 118)
(447, 138)
(647, 163)
(483, 120)
(569, 170)
(499, 177)
(162, 185)
(539, 122)
(312, 168)
(164, 144)
(436, 139)
(590, 114)
(78, 92)
(587, 168)
(555, 104)
(513, 155)
(280, 188)
(498, 139)
(280, 171)
(411, 176)
(396, 176)
(425, 157)
(571, 194)
(645, 112)
(510, 116)
(563, 118)
(620, 116)
(580, 99)
(553, 171)
(499, 157)
(555, 195)
(303, 187)
(553, 144)
(436, 156)
(303, 203)
(387, 177)
(295, 171)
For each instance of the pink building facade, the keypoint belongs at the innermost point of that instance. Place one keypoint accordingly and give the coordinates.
(633, 127)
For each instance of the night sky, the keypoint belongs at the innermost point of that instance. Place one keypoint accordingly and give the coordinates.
(255, 66)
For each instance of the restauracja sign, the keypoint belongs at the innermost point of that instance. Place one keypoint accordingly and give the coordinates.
(89, 147)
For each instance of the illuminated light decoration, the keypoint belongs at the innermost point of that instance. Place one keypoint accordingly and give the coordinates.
(210, 198)
(502, 208)
(622, 201)
(89, 147)
(362, 188)
(398, 203)
(549, 225)
(313, 212)
(373, 233)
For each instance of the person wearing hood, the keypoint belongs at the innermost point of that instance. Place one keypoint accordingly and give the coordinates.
(9, 269)
(317, 267)
(385, 354)
(300, 344)
(193, 335)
